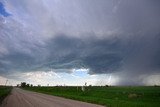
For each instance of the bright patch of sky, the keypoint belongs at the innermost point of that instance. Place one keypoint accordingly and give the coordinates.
(76, 78)
(3, 11)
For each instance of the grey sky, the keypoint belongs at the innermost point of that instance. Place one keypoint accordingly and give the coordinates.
(104, 36)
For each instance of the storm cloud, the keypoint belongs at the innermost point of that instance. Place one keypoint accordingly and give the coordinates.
(105, 37)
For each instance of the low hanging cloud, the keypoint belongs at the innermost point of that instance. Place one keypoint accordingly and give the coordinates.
(102, 36)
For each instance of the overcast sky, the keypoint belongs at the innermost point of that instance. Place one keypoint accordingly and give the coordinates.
(115, 42)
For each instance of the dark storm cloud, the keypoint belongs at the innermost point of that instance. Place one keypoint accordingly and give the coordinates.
(105, 55)
(98, 55)
(104, 36)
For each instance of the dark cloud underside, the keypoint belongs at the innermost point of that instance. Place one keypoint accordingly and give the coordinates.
(99, 55)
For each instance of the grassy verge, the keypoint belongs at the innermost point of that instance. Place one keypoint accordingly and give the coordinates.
(4, 91)
(108, 96)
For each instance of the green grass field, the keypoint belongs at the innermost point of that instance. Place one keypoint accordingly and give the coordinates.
(4, 91)
(108, 96)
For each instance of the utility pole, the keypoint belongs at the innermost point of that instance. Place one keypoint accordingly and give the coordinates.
(6, 82)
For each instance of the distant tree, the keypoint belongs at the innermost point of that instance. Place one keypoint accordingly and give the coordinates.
(23, 84)
(107, 85)
(27, 85)
(31, 85)
(156, 85)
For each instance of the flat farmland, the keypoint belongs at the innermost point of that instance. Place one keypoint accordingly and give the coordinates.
(114, 96)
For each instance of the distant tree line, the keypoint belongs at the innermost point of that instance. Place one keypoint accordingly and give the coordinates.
(24, 84)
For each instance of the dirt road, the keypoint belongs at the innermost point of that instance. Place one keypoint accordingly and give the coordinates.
(23, 98)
